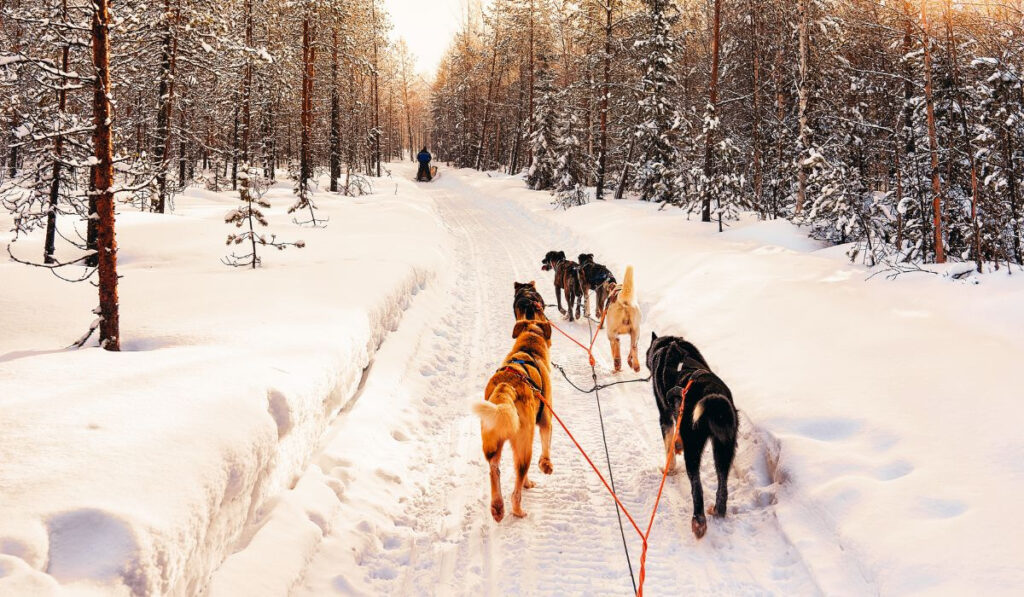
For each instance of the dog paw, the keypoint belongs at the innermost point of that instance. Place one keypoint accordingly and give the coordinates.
(545, 466)
(712, 510)
(670, 472)
(636, 367)
(699, 526)
(518, 512)
(528, 484)
(679, 446)
(498, 511)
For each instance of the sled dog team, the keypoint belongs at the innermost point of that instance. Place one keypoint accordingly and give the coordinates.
(515, 396)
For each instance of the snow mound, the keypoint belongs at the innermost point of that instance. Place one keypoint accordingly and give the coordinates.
(139, 472)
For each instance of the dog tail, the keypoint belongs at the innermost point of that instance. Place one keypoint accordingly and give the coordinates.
(627, 295)
(498, 413)
(718, 414)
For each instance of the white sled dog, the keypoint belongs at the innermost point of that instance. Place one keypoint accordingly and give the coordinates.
(623, 317)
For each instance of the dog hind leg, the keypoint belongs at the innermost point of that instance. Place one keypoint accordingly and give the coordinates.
(493, 456)
(692, 456)
(522, 446)
(616, 352)
(724, 453)
(634, 339)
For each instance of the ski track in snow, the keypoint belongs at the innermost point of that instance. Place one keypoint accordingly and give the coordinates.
(432, 533)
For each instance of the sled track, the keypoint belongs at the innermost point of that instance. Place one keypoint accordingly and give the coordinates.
(441, 538)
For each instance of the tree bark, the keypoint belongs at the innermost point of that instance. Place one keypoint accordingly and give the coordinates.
(933, 144)
(165, 90)
(755, 135)
(376, 91)
(705, 212)
(802, 101)
(58, 155)
(308, 57)
(602, 156)
(103, 179)
(490, 88)
(335, 111)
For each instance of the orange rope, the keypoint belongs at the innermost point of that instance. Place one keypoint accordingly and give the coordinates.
(589, 349)
(643, 536)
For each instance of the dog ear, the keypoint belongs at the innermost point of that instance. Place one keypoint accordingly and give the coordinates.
(654, 336)
(518, 329)
(561, 254)
(546, 327)
(517, 285)
(531, 284)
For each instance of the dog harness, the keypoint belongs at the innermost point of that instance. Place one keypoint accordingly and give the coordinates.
(523, 375)
(602, 277)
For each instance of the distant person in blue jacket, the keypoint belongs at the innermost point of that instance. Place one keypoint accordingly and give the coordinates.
(423, 157)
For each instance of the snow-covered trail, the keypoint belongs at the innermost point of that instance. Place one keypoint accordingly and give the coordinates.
(405, 459)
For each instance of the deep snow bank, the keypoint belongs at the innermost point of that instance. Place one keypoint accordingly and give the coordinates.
(136, 473)
(895, 405)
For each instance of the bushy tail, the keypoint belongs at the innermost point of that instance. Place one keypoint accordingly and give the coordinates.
(627, 294)
(717, 413)
(499, 413)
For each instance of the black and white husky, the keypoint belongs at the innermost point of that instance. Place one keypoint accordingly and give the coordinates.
(708, 413)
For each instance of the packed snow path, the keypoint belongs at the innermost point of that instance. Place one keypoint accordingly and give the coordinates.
(415, 518)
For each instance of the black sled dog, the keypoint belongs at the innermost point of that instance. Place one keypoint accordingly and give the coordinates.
(708, 413)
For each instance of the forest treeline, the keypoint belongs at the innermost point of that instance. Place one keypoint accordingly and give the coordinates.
(895, 125)
(131, 101)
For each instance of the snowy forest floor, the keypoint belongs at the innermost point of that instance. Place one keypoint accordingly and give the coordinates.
(879, 448)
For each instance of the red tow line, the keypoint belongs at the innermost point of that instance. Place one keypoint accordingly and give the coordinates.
(589, 349)
(644, 536)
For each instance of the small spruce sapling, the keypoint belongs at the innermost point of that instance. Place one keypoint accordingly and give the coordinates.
(251, 189)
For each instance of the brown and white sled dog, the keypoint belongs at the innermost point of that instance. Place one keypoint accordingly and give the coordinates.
(513, 408)
(623, 317)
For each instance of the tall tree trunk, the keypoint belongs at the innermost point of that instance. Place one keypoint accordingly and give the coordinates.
(408, 111)
(755, 136)
(165, 90)
(335, 110)
(58, 155)
(305, 157)
(103, 178)
(803, 97)
(183, 170)
(529, 127)
(602, 156)
(478, 161)
(247, 88)
(705, 212)
(933, 143)
(624, 177)
(13, 141)
(376, 90)
(235, 142)
(1014, 192)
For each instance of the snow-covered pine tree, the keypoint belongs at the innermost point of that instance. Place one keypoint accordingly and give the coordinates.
(49, 178)
(658, 168)
(544, 140)
(572, 162)
(1000, 140)
(250, 218)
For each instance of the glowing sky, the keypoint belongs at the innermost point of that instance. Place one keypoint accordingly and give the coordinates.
(427, 26)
